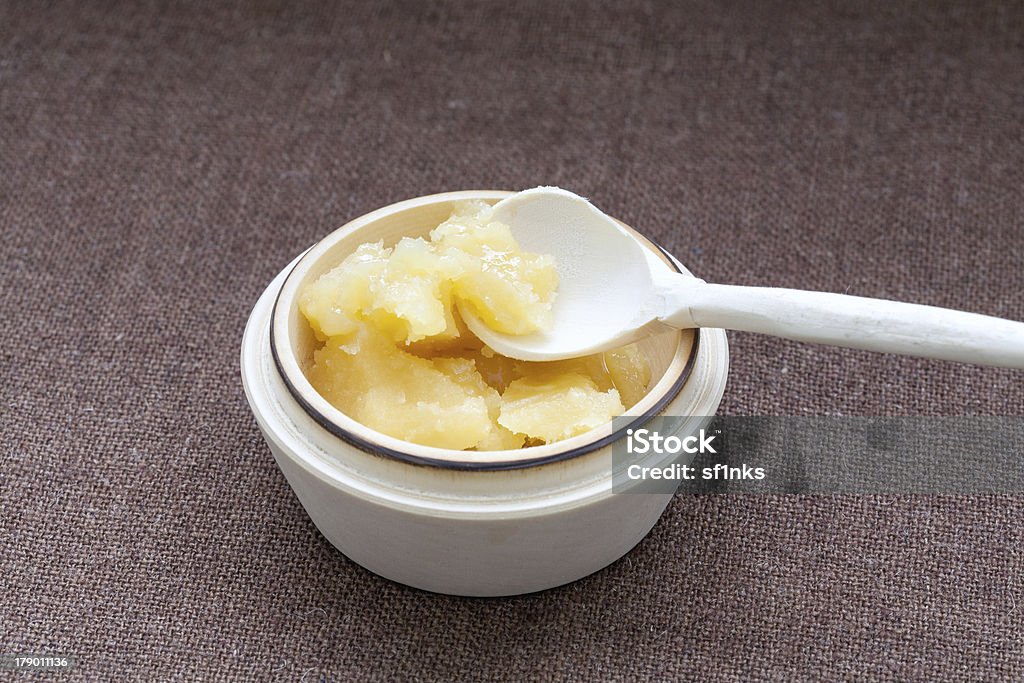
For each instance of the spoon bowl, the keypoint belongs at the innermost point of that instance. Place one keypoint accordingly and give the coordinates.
(605, 278)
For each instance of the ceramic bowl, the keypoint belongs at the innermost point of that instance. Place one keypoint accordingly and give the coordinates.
(458, 522)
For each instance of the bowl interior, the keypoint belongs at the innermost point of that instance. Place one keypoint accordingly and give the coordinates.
(669, 353)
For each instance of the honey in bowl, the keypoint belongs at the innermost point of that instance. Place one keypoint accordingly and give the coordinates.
(397, 357)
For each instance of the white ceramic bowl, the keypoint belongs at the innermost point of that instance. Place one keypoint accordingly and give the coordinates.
(465, 523)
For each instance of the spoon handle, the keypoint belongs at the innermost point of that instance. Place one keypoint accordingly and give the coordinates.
(843, 320)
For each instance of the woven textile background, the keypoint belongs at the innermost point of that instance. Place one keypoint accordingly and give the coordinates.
(161, 162)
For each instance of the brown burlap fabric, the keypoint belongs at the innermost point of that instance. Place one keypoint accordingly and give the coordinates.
(161, 163)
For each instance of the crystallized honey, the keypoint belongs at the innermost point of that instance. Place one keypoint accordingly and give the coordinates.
(397, 357)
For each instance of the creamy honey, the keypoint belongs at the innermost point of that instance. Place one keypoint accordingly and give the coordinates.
(397, 357)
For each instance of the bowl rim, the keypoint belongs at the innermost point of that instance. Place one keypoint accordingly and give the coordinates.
(446, 458)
